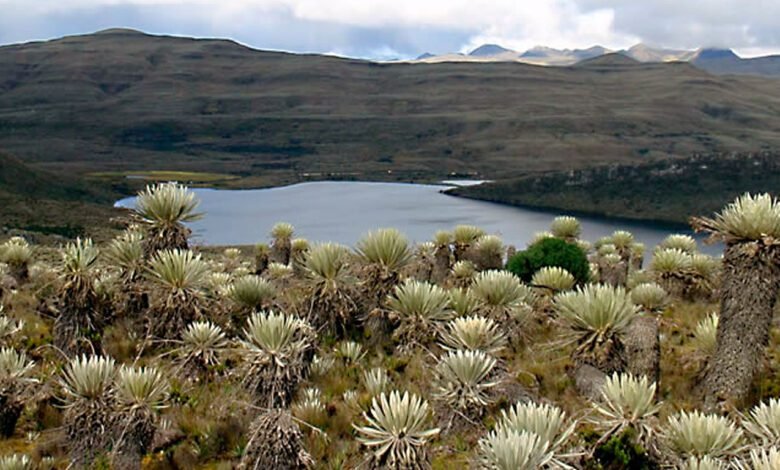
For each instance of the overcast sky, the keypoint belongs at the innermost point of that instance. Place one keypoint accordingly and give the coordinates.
(382, 29)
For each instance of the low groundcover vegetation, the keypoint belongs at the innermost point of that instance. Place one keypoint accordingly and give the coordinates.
(462, 352)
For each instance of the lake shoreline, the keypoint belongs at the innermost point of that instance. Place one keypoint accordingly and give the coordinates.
(459, 191)
(344, 211)
(574, 212)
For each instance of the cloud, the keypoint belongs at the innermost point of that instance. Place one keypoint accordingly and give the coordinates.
(405, 28)
(554, 24)
(749, 25)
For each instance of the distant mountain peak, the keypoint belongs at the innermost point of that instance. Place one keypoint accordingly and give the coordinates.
(608, 60)
(488, 50)
(646, 53)
(540, 51)
(119, 31)
(713, 53)
(640, 46)
(597, 49)
(544, 51)
(424, 55)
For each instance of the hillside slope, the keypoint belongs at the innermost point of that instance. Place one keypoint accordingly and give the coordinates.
(720, 61)
(664, 190)
(38, 201)
(18, 178)
(123, 100)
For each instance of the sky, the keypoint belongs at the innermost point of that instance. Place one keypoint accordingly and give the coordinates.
(390, 29)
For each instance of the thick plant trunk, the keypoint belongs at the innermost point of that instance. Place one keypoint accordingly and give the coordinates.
(299, 269)
(608, 355)
(464, 252)
(614, 274)
(20, 272)
(588, 381)
(10, 410)
(442, 263)
(643, 349)
(280, 251)
(674, 285)
(490, 261)
(637, 262)
(275, 441)
(751, 276)
(422, 267)
(594, 361)
(78, 328)
(169, 316)
(85, 432)
(165, 238)
(135, 435)
(261, 263)
(7, 284)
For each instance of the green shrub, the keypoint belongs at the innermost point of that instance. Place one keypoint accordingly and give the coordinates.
(550, 252)
(621, 452)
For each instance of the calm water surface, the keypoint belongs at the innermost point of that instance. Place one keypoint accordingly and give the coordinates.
(344, 211)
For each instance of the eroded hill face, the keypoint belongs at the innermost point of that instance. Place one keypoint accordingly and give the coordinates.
(125, 100)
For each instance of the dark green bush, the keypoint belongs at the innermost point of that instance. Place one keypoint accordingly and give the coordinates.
(621, 452)
(550, 252)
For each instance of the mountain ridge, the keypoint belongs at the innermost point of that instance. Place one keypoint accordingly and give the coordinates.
(147, 96)
(488, 50)
(713, 60)
(117, 103)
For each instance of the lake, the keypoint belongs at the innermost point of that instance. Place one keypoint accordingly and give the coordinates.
(343, 211)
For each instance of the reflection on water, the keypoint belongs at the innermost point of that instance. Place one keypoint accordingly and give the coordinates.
(343, 211)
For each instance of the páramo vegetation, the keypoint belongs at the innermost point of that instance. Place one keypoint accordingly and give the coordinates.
(461, 352)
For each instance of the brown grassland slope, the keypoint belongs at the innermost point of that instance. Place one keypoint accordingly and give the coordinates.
(668, 190)
(38, 201)
(123, 100)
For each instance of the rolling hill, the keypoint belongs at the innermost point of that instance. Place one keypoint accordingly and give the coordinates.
(122, 100)
(662, 190)
(18, 178)
(39, 201)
